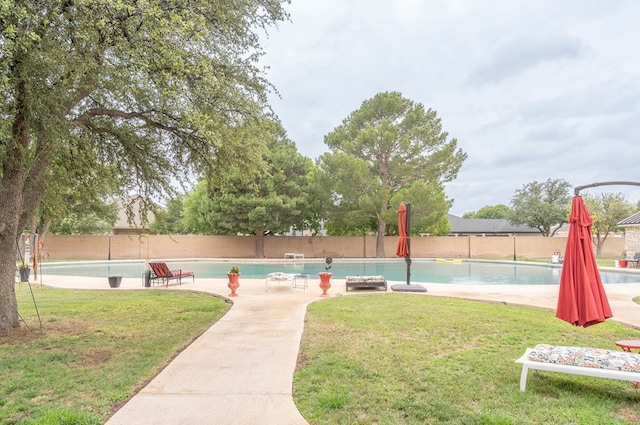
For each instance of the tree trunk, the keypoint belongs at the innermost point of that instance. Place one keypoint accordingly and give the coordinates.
(36, 183)
(8, 304)
(260, 244)
(11, 186)
(382, 230)
(600, 244)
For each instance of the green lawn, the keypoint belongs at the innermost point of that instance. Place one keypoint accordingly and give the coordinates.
(405, 359)
(96, 350)
(390, 359)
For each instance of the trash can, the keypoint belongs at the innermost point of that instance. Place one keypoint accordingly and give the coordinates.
(147, 279)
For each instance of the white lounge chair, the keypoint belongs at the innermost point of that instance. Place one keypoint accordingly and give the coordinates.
(365, 282)
(595, 362)
(278, 277)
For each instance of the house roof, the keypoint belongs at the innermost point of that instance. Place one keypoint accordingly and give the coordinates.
(486, 225)
(631, 221)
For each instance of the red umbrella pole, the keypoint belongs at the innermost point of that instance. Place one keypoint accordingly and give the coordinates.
(404, 248)
(407, 258)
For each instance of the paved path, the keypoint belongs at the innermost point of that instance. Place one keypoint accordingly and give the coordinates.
(240, 371)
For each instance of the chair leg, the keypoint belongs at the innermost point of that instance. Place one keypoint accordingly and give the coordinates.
(523, 378)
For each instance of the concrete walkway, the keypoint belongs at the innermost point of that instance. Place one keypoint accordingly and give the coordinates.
(240, 371)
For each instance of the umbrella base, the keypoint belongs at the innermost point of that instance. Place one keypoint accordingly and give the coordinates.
(409, 288)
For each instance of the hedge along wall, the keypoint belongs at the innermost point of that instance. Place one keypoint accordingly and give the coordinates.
(125, 247)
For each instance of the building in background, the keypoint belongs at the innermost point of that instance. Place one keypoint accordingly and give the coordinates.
(632, 235)
(129, 220)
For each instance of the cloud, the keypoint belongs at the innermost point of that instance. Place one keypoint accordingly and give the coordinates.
(519, 53)
(520, 85)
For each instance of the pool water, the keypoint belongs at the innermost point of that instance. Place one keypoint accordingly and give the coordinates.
(427, 271)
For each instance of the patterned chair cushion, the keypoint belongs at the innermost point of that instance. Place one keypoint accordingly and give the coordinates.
(586, 357)
(364, 278)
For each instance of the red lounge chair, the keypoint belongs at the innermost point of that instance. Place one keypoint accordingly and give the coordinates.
(161, 272)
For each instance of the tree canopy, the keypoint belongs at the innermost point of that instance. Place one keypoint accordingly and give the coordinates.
(607, 210)
(386, 145)
(86, 219)
(274, 199)
(429, 206)
(544, 205)
(147, 89)
(169, 220)
(490, 211)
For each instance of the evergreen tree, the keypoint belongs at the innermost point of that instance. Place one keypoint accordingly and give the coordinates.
(388, 144)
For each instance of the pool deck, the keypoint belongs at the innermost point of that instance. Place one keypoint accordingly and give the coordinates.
(240, 371)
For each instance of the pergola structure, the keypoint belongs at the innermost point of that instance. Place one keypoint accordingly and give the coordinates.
(577, 189)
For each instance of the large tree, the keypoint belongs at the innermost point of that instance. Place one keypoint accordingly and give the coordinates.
(386, 145)
(274, 199)
(543, 205)
(148, 87)
(607, 210)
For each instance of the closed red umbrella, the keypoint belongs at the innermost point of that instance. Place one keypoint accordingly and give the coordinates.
(402, 250)
(581, 300)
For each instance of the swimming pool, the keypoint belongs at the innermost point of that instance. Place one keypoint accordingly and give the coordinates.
(427, 271)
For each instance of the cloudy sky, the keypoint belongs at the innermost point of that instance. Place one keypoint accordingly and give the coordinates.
(530, 89)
